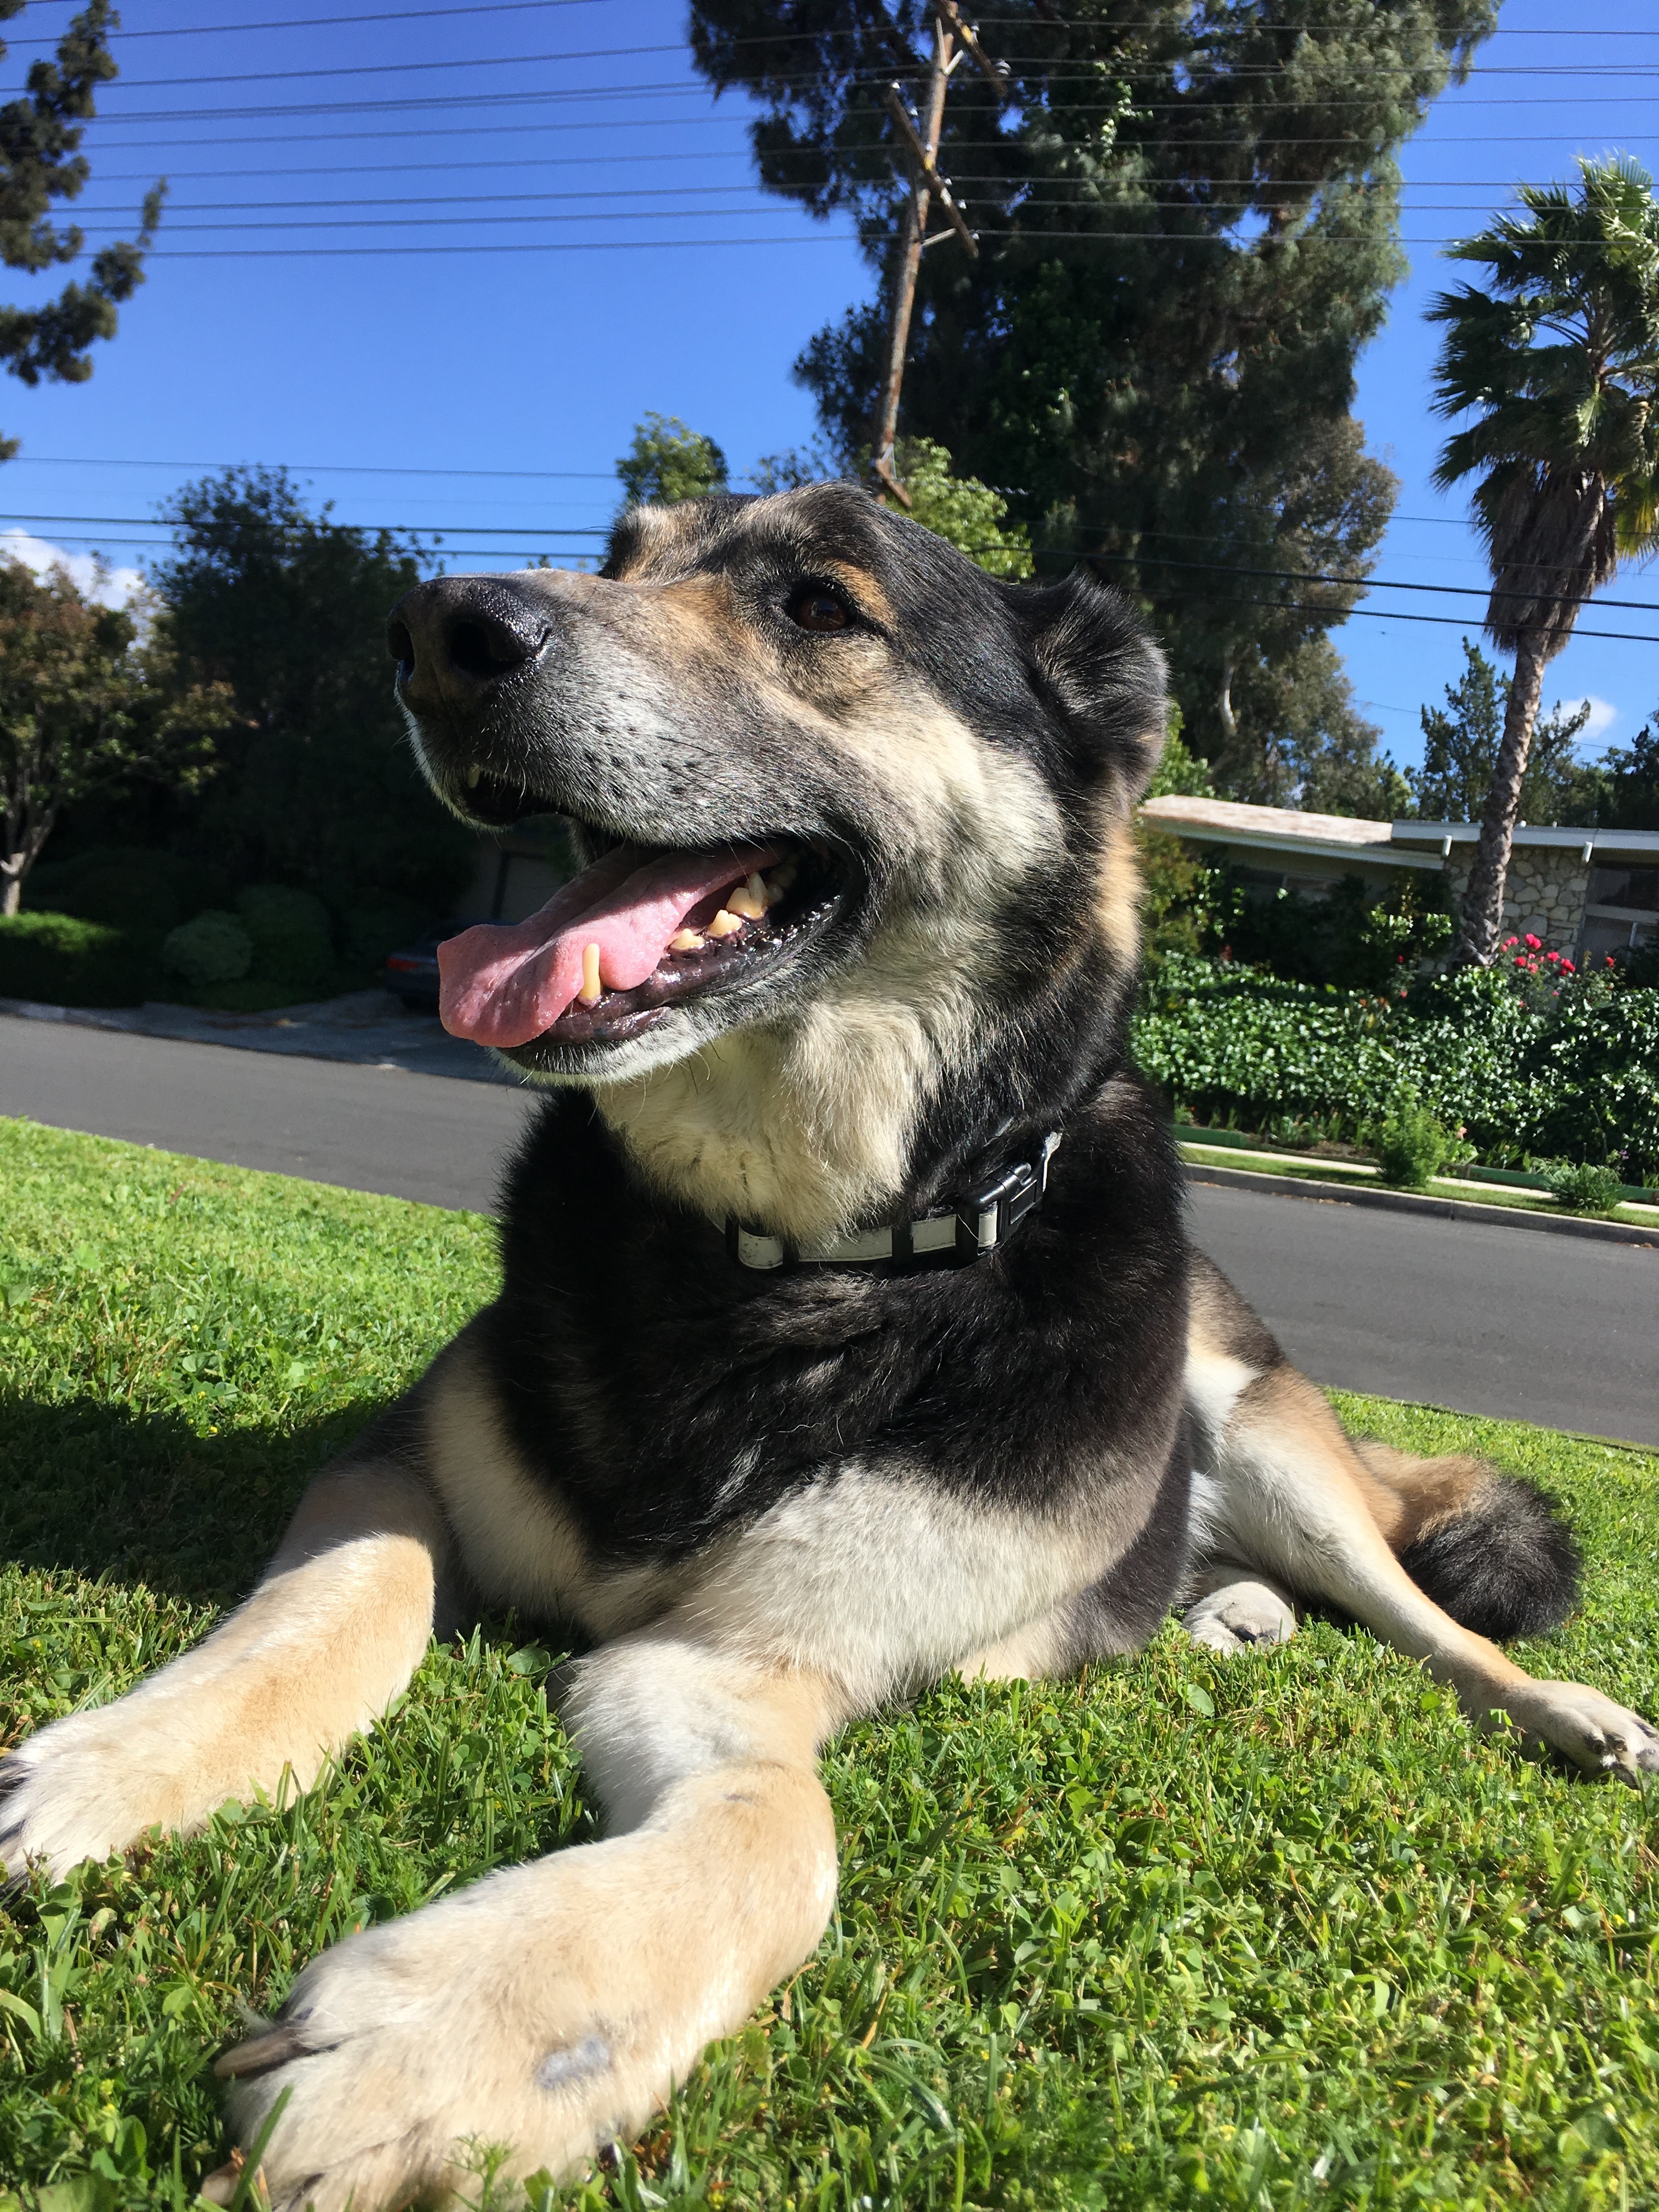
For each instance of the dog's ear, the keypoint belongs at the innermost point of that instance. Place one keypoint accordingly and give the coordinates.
(1103, 673)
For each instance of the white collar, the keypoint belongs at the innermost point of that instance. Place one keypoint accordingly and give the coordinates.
(979, 1224)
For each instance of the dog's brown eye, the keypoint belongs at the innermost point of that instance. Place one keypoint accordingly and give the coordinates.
(818, 609)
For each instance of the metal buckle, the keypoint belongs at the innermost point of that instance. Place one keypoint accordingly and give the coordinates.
(993, 1212)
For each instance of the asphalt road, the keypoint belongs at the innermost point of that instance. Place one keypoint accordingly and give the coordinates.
(1559, 1330)
(369, 1128)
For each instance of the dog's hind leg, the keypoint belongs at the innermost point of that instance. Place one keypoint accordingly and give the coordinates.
(553, 2006)
(1282, 1489)
(330, 1635)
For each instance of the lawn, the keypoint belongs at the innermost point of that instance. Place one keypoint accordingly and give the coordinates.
(1276, 1932)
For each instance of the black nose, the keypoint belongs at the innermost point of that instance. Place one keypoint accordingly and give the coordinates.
(454, 637)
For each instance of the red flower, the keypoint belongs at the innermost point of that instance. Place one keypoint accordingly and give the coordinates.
(1534, 943)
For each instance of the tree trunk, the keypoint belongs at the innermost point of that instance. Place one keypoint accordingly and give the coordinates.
(11, 890)
(1483, 902)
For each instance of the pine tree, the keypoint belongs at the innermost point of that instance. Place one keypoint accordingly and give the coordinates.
(1460, 753)
(1187, 220)
(40, 161)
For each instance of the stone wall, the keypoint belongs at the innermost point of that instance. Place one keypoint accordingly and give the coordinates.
(1544, 893)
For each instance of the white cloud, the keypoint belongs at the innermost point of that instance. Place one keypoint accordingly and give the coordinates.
(110, 588)
(1602, 716)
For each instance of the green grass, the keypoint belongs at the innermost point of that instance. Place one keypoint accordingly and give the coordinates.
(1181, 1933)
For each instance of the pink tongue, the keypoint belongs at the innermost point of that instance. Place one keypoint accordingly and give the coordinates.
(502, 986)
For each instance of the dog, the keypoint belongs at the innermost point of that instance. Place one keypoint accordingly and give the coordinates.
(848, 1332)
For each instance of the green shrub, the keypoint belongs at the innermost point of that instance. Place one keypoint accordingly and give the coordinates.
(1583, 1188)
(121, 896)
(127, 886)
(1412, 1146)
(59, 960)
(290, 934)
(1575, 1078)
(214, 948)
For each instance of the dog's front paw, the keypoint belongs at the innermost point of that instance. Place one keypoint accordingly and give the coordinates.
(1591, 1730)
(1241, 1616)
(405, 2050)
(79, 1789)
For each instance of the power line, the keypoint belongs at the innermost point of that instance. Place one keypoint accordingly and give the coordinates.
(1130, 560)
(1185, 145)
(1038, 239)
(320, 468)
(635, 160)
(1081, 69)
(682, 90)
(529, 542)
(519, 7)
(1021, 199)
(318, 22)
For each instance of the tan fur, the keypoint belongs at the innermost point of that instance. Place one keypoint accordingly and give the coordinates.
(1286, 1492)
(1117, 902)
(1409, 1497)
(550, 2008)
(331, 1634)
(803, 1128)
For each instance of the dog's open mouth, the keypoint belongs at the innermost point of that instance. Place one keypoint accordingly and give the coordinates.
(635, 933)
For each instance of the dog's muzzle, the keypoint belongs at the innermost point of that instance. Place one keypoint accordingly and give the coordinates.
(463, 644)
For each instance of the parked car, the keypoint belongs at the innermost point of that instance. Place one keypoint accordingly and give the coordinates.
(412, 971)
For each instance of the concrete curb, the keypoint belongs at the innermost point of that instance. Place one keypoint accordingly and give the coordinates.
(1407, 1201)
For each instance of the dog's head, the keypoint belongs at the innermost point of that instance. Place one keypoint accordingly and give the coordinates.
(842, 798)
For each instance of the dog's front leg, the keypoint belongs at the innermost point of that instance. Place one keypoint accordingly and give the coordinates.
(1284, 1492)
(333, 1631)
(552, 2008)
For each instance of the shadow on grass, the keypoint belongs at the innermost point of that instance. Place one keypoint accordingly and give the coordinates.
(146, 1496)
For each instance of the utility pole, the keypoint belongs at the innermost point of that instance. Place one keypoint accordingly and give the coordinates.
(953, 42)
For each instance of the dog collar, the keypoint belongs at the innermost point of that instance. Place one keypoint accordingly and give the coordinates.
(980, 1222)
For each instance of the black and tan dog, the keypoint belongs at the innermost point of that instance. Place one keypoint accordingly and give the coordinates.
(848, 1332)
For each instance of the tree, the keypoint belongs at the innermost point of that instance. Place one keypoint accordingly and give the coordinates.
(1461, 742)
(90, 698)
(287, 609)
(967, 514)
(1188, 222)
(1557, 362)
(668, 462)
(40, 161)
(1628, 797)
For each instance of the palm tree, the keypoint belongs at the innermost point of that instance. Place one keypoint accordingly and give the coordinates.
(1557, 362)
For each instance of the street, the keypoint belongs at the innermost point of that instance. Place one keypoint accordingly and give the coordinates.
(1483, 1318)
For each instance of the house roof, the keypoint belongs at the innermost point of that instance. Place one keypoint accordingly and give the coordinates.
(1339, 837)
(1603, 844)
(1391, 844)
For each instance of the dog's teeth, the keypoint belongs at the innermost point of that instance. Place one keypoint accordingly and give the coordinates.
(473, 774)
(778, 880)
(591, 990)
(749, 900)
(724, 923)
(685, 940)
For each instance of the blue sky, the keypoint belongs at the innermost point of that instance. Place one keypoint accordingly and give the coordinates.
(477, 370)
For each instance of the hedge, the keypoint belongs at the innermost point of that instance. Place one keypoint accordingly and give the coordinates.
(63, 960)
(1526, 1073)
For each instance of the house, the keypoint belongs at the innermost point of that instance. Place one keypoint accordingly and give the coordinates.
(1586, 891)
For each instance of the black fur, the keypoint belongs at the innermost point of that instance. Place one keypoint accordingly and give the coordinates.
(1506, 1567)
(671, 1397)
